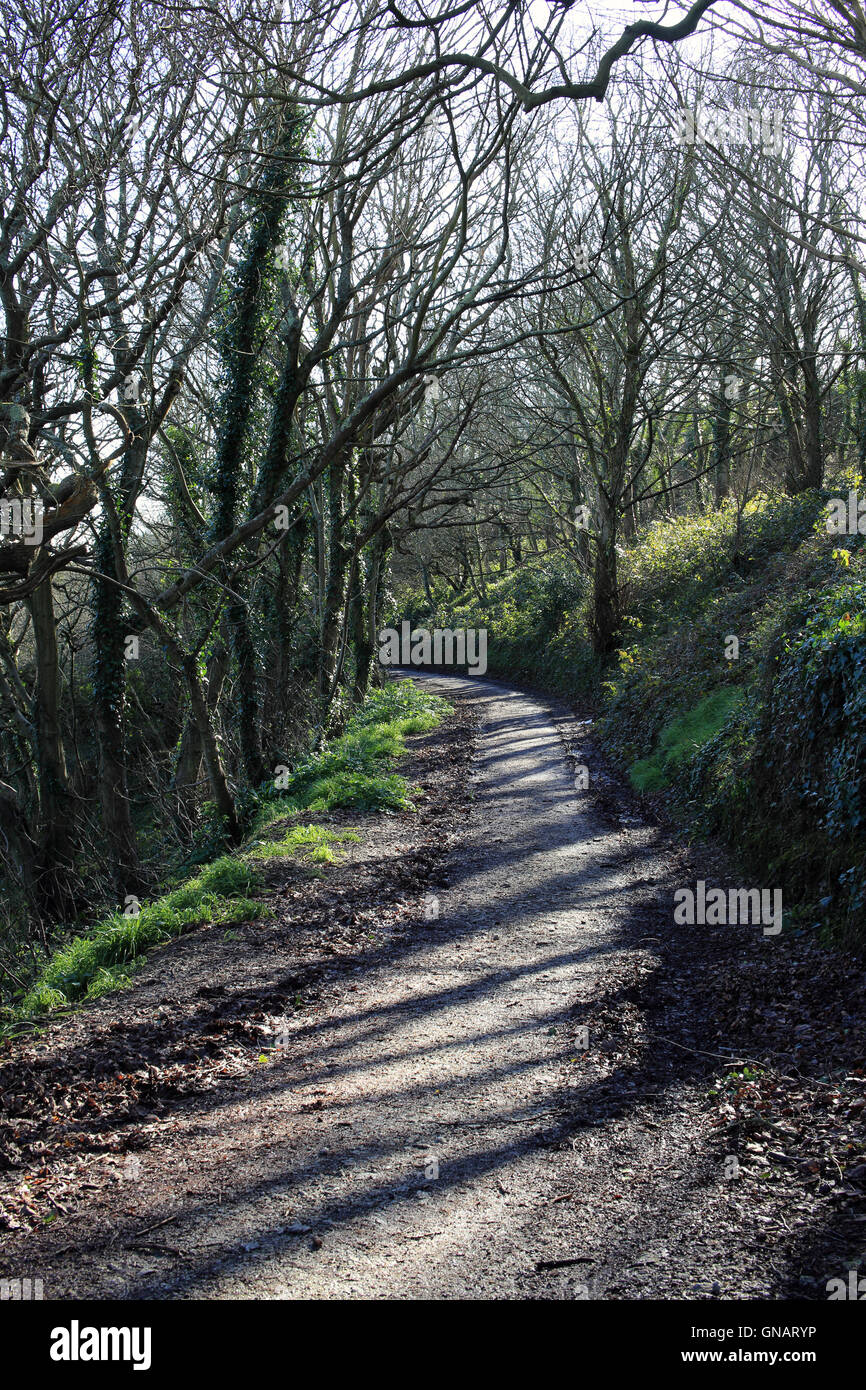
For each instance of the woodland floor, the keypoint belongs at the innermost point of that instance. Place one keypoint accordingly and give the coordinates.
(431, 1126)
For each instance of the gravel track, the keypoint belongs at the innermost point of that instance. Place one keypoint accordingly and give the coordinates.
(463, 1154)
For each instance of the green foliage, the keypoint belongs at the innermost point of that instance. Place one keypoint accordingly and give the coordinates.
(313, 842)
(401, 700)
(535, 621)
(766, 751)
(681, 738)
(678, 565)
(359, 791)
(352, 772)
(812, 733)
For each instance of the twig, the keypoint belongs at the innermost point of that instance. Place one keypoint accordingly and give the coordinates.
(732, 1061)
(164, 1222)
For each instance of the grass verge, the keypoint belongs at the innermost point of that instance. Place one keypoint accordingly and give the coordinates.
(352, 773)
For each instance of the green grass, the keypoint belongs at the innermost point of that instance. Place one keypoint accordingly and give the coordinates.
(353, 773)
(310, 842)
(109, 953)
(682, 737)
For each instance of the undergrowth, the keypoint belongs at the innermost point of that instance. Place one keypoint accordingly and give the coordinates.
(760, 742)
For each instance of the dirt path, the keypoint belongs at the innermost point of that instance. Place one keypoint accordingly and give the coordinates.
(465, 1109)
(444, 1129)
(448, 1070)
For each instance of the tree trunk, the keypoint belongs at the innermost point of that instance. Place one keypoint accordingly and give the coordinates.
(605, 602)
(722, 446)
(247, 693)
(223, 799)
(109, 700)
(56, 820)
(813, 447)
(190, 755)
(339, 559)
